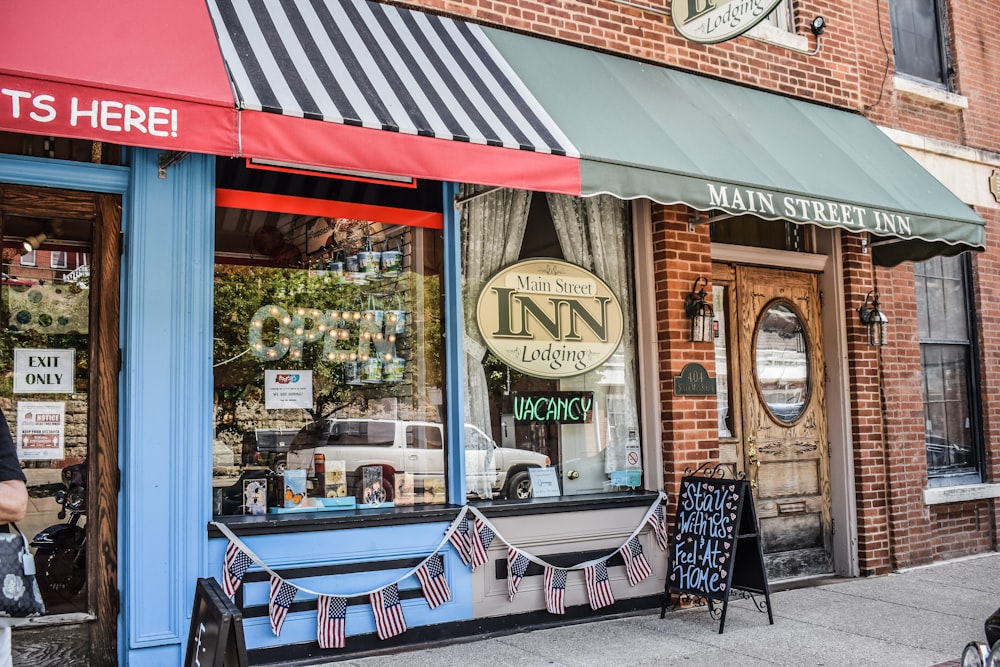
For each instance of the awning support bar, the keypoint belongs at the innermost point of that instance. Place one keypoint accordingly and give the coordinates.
(476, 195)
(169, 159)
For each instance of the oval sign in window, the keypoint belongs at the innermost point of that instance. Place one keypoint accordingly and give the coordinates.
(549, 318)
(782, 363)
(710, 22)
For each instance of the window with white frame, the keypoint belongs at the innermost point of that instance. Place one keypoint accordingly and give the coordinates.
(57, 259)
(919, 40)
(781, 17)
(948, 358)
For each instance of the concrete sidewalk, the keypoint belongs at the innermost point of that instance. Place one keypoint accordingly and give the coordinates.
(920, 617)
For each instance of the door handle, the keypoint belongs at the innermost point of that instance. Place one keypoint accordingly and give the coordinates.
(572, 474)
(753, 460)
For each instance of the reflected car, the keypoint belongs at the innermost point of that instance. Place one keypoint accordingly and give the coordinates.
(943, 454)
(414, 447)
(6, 279)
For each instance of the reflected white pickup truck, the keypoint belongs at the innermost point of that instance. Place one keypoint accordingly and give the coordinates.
(414, 447)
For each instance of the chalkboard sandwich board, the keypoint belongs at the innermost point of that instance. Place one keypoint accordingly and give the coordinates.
(216, 635)
(715, 546)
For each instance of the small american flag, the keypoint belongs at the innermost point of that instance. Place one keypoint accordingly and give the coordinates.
(389, 620)
(658, 520)
(517, 565)
(481, 542)
(234, 567)
(635, 563)
(555, 590)
(598, 586)
(462, 541)
(433, 581)
(282, 594)
(331, 621)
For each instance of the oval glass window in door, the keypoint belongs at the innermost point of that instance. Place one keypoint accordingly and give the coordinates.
(781, 357)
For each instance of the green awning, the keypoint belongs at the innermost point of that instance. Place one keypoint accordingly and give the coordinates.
(652, 132)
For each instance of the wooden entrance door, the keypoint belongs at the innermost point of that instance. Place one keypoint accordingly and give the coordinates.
(780, 432)
(61, 293)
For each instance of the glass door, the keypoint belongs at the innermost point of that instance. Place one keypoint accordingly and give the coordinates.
(58, 391)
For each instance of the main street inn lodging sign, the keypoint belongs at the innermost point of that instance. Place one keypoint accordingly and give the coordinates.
(710, 22)
(549, 318)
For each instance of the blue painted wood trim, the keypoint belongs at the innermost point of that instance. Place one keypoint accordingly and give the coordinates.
(333, 547)
(26, 170)
(166, 432)
(455, 358)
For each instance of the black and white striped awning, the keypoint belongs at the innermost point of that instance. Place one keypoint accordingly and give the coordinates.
(378, 66)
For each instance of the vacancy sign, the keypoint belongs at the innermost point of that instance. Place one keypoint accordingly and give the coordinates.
(43, 371)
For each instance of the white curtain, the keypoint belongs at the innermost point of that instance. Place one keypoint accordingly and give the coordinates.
(591, 235)
(492, 230)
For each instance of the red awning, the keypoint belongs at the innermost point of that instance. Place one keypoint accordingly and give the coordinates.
(133, 73)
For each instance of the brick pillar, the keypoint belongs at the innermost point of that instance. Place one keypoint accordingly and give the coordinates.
(689, 423)
(864, 370)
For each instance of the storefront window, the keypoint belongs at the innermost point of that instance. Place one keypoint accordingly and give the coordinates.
(550, 345)
(328, 360)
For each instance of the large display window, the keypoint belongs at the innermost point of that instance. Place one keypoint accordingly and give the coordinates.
(550, 342)
(328, 365)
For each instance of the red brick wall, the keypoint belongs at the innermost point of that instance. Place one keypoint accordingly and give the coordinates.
(833, 76)
(854, 70)
(690, 424)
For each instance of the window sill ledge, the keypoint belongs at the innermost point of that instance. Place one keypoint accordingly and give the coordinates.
(958, 494)
(765, 32)
(910, 88)
(341, 520)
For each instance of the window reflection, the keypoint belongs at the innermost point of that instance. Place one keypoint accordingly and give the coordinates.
(782, 363)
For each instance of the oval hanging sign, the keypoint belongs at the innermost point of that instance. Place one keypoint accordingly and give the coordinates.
(710, 22)
(549, 318)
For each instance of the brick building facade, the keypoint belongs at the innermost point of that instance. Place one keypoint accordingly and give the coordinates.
(795, 173)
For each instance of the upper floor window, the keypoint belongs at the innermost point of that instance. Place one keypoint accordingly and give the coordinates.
(948, 360)
(781, 17)
(919, 41)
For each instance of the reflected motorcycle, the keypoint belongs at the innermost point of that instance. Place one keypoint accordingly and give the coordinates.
(61, 549)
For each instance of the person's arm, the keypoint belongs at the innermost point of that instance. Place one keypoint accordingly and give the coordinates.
(13, 500)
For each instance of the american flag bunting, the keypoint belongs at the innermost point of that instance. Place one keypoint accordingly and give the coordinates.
(433, 582)
(462, 540)
(658, 520)
(481, 541)
(517, 565)
(331, 621)
(598, 585)
(282, 594)
(635, 563)
(555, 590)
(234, 566)
(388, 611)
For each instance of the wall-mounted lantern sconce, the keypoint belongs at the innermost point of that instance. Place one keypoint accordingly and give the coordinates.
(701, 313)
(874, 319)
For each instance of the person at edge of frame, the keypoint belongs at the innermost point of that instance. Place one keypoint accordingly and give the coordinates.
(13, 505)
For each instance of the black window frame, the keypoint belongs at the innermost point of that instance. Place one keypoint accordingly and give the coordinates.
(975, 473)
(908, 55)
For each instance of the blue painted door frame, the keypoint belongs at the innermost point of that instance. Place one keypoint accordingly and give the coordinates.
(166, 392)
